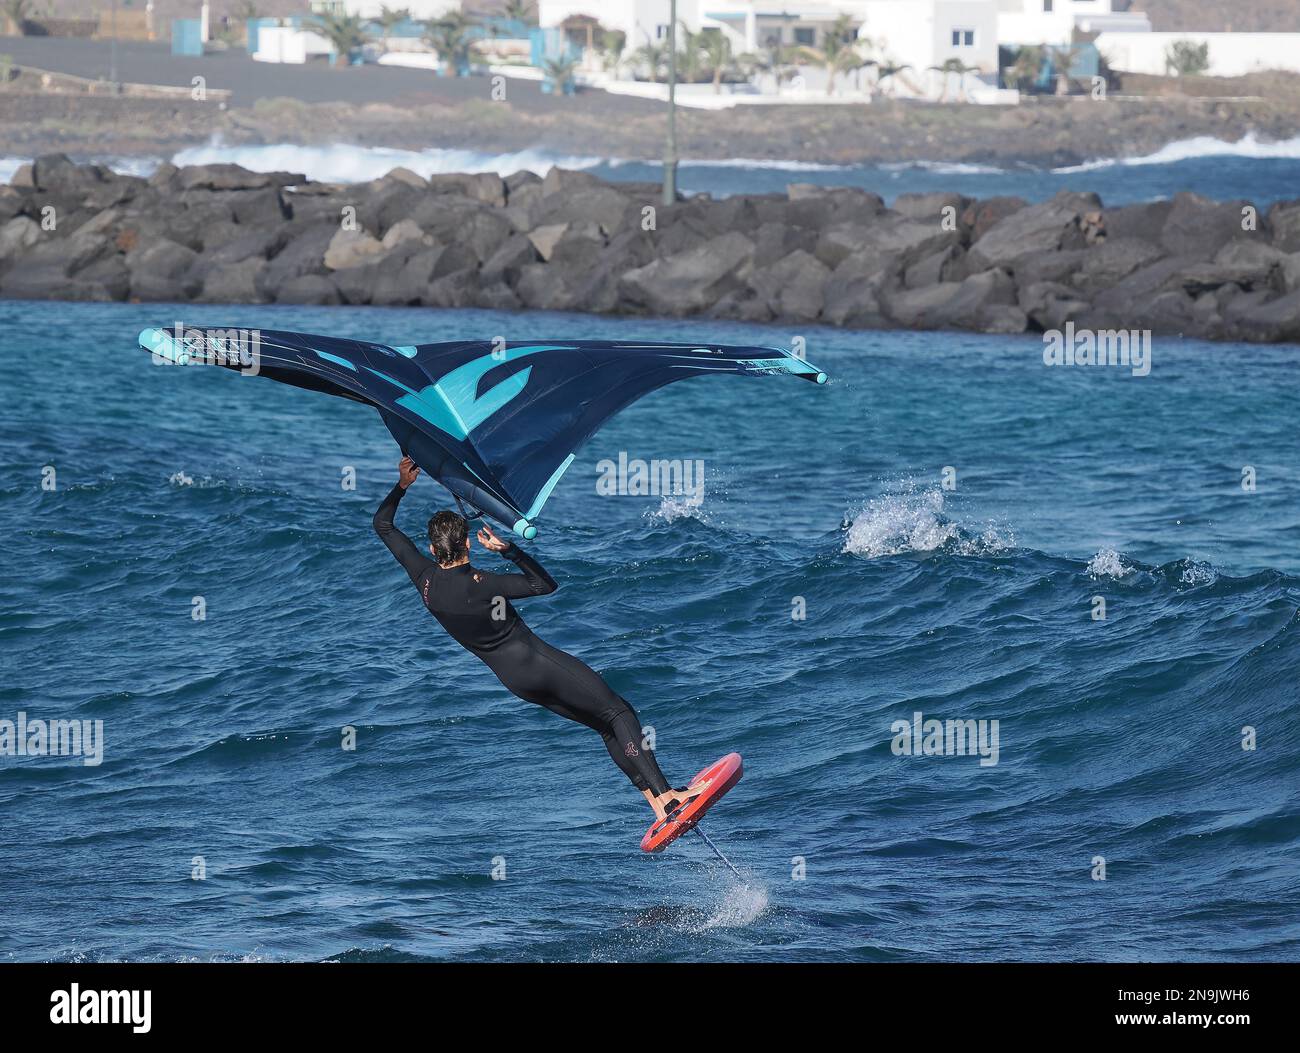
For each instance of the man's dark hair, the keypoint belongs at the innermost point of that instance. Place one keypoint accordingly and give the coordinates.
(447, 534)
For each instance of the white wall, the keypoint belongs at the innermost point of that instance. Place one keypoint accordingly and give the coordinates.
(1231, 54)
(918, 33)
(286, 44)
(1025, 21)
(420, 9)
(639, 19)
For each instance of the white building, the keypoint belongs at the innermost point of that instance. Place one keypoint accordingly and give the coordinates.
(421, 10)
(750, 25)
(755, 24)
(1027, 22)
(921, 35)
(924, 34)
(1229, 54)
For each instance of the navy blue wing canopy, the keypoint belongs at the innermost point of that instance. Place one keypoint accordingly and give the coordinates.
(496, 423)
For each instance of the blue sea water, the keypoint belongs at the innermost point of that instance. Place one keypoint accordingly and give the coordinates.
(1260, 172)
(1119, 739)
(1262, 180)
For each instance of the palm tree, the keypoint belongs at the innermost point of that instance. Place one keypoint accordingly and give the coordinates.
(389, 19)
(957, 66)
(690, 55)
(559, 72)
(1028, 67)
(450, 37)
(774, 59)
(887, 71)
(839, 52)
(615, 42)
(17, 11)
(716, 49)
(519, 11)
(1187, 58)
(653, 55)
(1063, 60)
(345, 32)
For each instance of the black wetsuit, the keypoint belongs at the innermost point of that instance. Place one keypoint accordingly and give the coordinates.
(474, 607)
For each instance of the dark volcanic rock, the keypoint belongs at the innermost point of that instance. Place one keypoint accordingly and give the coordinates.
(236, 282)
(690, 281)
(1112, 261)
(221, 233)
(982, 216)
(852, 295)
(305, 254)
(1141, 222)
(791, 287)
(1055, 224)
(1199, 227)
(1284, 222)
(229, 177)
(1050, 305)
(308, 288)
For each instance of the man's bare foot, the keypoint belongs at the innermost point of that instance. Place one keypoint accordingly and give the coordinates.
(675, 798)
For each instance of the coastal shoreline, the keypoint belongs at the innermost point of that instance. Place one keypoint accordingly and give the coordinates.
(382, 106)
(1047, 134)
(570, 241)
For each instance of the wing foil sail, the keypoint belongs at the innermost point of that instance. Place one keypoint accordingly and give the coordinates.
(496, 423)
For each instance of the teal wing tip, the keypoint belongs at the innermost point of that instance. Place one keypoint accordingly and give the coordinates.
(525, 529)
(161, 343)
(801, 367)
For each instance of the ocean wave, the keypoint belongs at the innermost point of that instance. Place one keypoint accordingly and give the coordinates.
(346, 163)
(671, 509)
(743, 163)
(337, 162)
(1195, 149)
(1195, 572)
(1108, 564)
(944, 168)
(767, 165)
(914, 521)
(10, 165)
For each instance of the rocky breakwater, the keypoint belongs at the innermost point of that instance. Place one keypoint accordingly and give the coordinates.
(219, 233)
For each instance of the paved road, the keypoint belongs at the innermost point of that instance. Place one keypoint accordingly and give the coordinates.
(153, 63)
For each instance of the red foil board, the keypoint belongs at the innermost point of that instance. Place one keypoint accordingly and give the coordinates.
(724, 773)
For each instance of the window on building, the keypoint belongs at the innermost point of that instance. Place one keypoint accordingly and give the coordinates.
(804, 35)
(661, 32)
(963, 38)
(1047, 7)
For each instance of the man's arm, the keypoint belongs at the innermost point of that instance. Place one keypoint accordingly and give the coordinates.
(534, 581)
(401, 546)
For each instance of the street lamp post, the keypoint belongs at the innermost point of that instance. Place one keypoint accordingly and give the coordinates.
(670, 154)
(112, 54)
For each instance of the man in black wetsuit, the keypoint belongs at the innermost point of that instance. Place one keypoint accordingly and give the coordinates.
(474, 607)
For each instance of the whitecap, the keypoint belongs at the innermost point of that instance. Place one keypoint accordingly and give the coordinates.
(672, 508)
(346, 163)
(1108, 564)
(914, 521)
(1194, 149)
